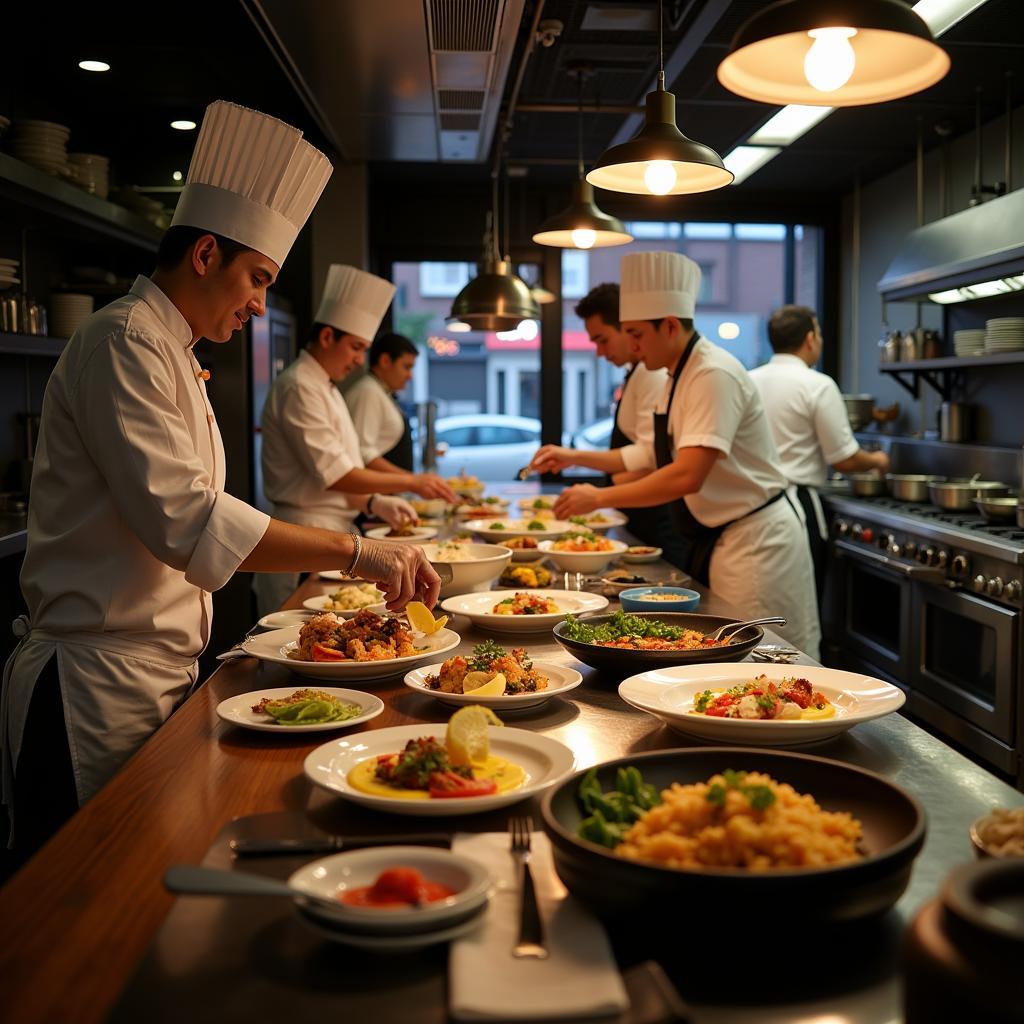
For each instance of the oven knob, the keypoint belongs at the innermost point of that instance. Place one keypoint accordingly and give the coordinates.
(959, 566)
(994, 587)
(942, 558)
(910, 549)
(868, 535)
(886, 541)
(895, 550)
(842, 527)
(979, 583)
(1013, 590)
(857, 531)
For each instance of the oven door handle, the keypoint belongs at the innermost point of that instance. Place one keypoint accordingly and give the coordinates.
(925, 573)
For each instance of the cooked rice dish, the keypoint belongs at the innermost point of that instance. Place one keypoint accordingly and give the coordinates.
(353, 597)
(741, 820)
(449, 551)
(583, 542)
(1003, 832)
(365, 637)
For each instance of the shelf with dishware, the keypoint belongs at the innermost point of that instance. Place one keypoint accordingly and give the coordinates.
(947, 372)
(31, 345)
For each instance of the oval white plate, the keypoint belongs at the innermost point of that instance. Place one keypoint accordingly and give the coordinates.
(560, 681)
(477, 607)
(669, 693)
(546, 762)
(238, 710)
(517, 528)
(527, 504)
(282, 620)
(316, 604)
(420, 533)
(275, 645)
(613, 517)
(636, 559)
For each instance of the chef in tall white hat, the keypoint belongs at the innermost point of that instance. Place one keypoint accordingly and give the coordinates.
(130, 528)
(713, 457)
(313, 470)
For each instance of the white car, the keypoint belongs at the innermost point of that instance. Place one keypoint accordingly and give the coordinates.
(490, 446)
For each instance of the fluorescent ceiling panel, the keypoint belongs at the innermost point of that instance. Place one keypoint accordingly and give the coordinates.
(743, 161)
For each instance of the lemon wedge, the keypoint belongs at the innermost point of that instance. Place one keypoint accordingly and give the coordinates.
(422, 619)
(480, 684)
(466, 738)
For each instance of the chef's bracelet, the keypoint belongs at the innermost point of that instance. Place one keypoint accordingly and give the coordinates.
(357, 549)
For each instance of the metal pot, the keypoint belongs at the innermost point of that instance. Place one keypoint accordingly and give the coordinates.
(997, 509)
(959, 495)
(867, 485)
(858, 410)
(954, 421)
(911, 486)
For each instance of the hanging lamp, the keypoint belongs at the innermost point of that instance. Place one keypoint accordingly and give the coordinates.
(834, 53)
(496, 299)
(660, 160)
(582, 224)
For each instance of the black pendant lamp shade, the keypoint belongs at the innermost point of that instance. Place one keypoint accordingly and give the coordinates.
(582, 225)
(835, 53)
(495, 300)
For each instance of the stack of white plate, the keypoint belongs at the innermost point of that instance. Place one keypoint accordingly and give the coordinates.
(91, 172)
(67, 311)
(969, 343)
(1004, 334)
(42, 144)
(9, 273)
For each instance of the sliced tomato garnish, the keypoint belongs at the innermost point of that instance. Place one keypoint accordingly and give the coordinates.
(321, 652)
(445, 785)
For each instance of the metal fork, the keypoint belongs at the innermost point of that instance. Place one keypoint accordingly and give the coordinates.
(530, 944)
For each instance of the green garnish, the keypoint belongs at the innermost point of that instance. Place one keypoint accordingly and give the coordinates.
(612, 814)
(619, 625)
(765, 701)
(579, 520)
(484, 654)
(497, 526)
(760, 797)
(535, 524)
(308, 708)
(703, 700)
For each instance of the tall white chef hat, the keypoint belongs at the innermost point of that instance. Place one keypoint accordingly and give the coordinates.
(354, 301)
(657, 284)
(252, 179)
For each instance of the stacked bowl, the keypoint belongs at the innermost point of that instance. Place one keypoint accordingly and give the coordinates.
(1004, 334)
(969, 342)
(42, 144)
(91, 172)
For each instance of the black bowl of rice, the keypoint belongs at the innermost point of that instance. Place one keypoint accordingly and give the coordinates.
(843, 856)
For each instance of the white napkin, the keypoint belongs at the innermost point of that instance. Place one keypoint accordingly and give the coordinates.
(579, 979)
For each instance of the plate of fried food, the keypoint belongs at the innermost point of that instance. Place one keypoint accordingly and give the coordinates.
(367, 646)
(514, 611)
(493, 677)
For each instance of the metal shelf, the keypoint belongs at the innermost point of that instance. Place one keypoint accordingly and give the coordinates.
(13, 543)
(31, 345)
(946, 373)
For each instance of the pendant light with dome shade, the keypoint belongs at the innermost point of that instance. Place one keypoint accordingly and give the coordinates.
(834, 53)
(660, 160)
(496, 299)
(582, 224)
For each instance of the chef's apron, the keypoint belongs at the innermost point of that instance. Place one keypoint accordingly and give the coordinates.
(403, 454)
(701, 538)
(817, 533)
(650, 525)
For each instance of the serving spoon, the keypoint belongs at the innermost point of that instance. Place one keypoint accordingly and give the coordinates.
(193, 880)
(772, 620)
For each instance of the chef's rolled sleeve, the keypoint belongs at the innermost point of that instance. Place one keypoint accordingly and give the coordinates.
(637, 456)
(832, 426)
(306, 426)
(232, 531)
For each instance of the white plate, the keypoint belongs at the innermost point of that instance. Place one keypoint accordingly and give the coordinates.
(389, 943)
(282, 620)
(517, 528)
(527, 554)
(275, 645)
(637, 559)
(612, 516)
(545, 761)
(583, 561)
(335, 575)
(316, 604)
(668, 694)
(238, 710)
(560, 681)
(528, 504)
(477, 607)
(419, 534)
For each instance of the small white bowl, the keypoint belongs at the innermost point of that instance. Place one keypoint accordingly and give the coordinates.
(582, 561)
(637, 553)
(525, 554)
(282, 620)
(316, 604)
(475, 573)
(418, 536)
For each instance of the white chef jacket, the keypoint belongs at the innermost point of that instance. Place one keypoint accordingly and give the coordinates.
(807, 417)
(309, 443)
(376, 416)
(129, 531)
(640, 397)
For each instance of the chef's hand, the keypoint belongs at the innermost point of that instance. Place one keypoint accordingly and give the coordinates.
(577, 501)
(429, 485)
(401, 571)
(394, 511)
(552, 458)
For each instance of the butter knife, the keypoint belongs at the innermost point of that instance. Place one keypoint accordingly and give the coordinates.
(331, 844)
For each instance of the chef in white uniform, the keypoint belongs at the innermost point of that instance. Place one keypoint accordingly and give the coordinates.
(713, 456)
(130, 528)
(313, 470)
(808, 420)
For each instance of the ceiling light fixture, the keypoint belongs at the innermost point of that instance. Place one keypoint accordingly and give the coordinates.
(582, 224)
(941, 15)
(184, 125)
(94, 65)
(743, 161)
(788, 125)
(835, 53)
(177, 176)
(659, 160)
(981, 290)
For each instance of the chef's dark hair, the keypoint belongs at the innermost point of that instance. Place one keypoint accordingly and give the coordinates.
(684, 321)
(390, 344)
(178, 241)
(602, 300)
(788, 326)
(314, 333)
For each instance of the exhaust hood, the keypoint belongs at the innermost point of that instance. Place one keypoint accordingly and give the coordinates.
(981, 246)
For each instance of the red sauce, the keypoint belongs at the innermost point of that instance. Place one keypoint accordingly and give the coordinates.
(397, 887)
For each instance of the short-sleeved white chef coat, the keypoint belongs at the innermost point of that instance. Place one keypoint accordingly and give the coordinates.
(130, 529)
(640, 395)
(376, 416)
(807, 416)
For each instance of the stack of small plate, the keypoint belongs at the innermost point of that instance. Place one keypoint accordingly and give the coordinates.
(9, 272)
(1004, 334)
(67, 311)
(42, 144)
(91, 172)
(969, 343)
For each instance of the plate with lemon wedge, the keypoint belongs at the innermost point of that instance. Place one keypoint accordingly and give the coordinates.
(475, 764)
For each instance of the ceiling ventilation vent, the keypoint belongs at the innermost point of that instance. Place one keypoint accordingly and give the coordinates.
(463, 24)
(459, 122)
(460, 99)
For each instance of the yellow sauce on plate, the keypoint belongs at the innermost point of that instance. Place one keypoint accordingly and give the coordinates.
(505, 774)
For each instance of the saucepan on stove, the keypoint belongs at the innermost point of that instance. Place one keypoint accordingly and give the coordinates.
(997, 508)
(867, 485)
(911, 486)
(959, 495)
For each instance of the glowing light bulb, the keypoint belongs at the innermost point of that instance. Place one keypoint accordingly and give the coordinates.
(583, 238)
(660, 177)
(830, 61)
(527, 329)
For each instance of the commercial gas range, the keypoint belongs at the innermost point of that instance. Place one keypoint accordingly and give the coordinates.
(932, 600)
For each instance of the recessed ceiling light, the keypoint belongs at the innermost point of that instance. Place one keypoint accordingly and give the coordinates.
(788, 125)
(177, 175)
(942, 15)
(94, 65)
(184, 126)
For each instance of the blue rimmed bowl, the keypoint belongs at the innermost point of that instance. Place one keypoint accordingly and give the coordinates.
(659, 599)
